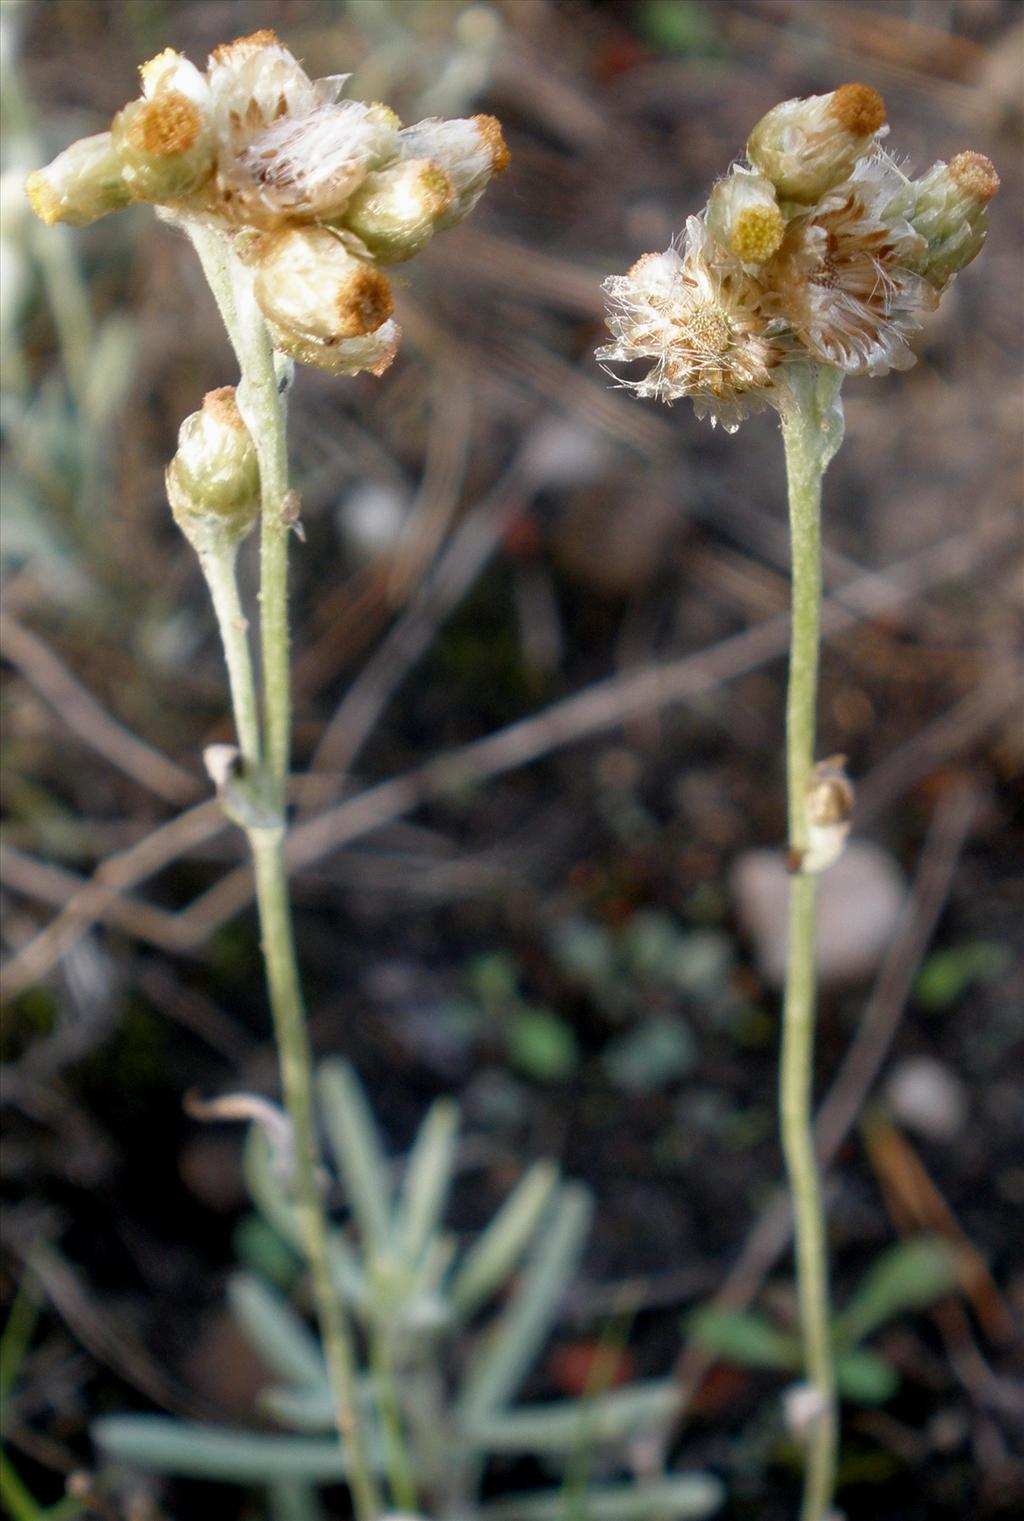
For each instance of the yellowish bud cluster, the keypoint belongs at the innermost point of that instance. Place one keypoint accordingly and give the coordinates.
(314, 192)
(821, 250)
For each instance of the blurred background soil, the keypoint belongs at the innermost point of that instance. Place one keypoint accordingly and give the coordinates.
(562, 928)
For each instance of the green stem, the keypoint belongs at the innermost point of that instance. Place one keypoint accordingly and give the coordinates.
(218, 562)
(296, 1081)
(260, 403)
(806, 458)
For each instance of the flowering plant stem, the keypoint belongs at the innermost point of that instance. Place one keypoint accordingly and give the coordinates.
(812, 431)
(260, 402)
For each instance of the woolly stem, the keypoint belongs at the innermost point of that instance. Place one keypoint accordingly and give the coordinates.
(260, 402)
(809, 444)
(218, 561)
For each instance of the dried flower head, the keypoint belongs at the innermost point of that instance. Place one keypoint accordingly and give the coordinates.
(823, 252)
(254, 146)
(164, 145)
(372, 354)
(844, 278)
(396, 211)
(700, 318)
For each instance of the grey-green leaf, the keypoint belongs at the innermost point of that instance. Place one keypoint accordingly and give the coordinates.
(562, 1426)
(495, 1255)
(160, 1444)
(428, 1177)
(357, 1150)
(684, 1497)
(865, 1377)
(276, 1331)
(509, 1349)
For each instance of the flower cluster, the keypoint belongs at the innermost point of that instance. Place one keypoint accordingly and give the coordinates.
(314, 192)
(819, 249)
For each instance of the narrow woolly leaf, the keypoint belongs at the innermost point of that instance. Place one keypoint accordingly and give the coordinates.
(348, 1276)
(303, 1409)
(509, 1348)
(684, 1497)
(268, 1190)
(160, 1444)
(311, 1409)
(292, 1500)
(428, 1177)
(357, 1150)
(276, 1331)
(494, 1257)
(566, 1425)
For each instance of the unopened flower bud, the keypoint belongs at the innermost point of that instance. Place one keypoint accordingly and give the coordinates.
(948, 206)
(309, 286)
(83, 183)
(470, 151)
(829, 810)
(214, 477)
(806, 146)
(173, 71)
(165, 146)
(745, 218)
(395, 210)
(255, 80)
(350, 356)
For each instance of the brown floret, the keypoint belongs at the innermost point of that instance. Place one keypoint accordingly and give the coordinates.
(251, 44)
(364, 303)
(222, 404)
(169, 123)
(975, 175)
(490, 130)
(858, 108)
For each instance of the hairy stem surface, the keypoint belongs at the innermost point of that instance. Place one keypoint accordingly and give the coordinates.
(218, 563)
(260, 401)
(807, 454)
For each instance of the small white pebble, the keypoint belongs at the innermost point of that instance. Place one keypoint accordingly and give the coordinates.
(860, 900)
(927, 1097)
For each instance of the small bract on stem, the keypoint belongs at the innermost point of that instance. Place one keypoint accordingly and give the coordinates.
(294, 200)
(812, 262)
